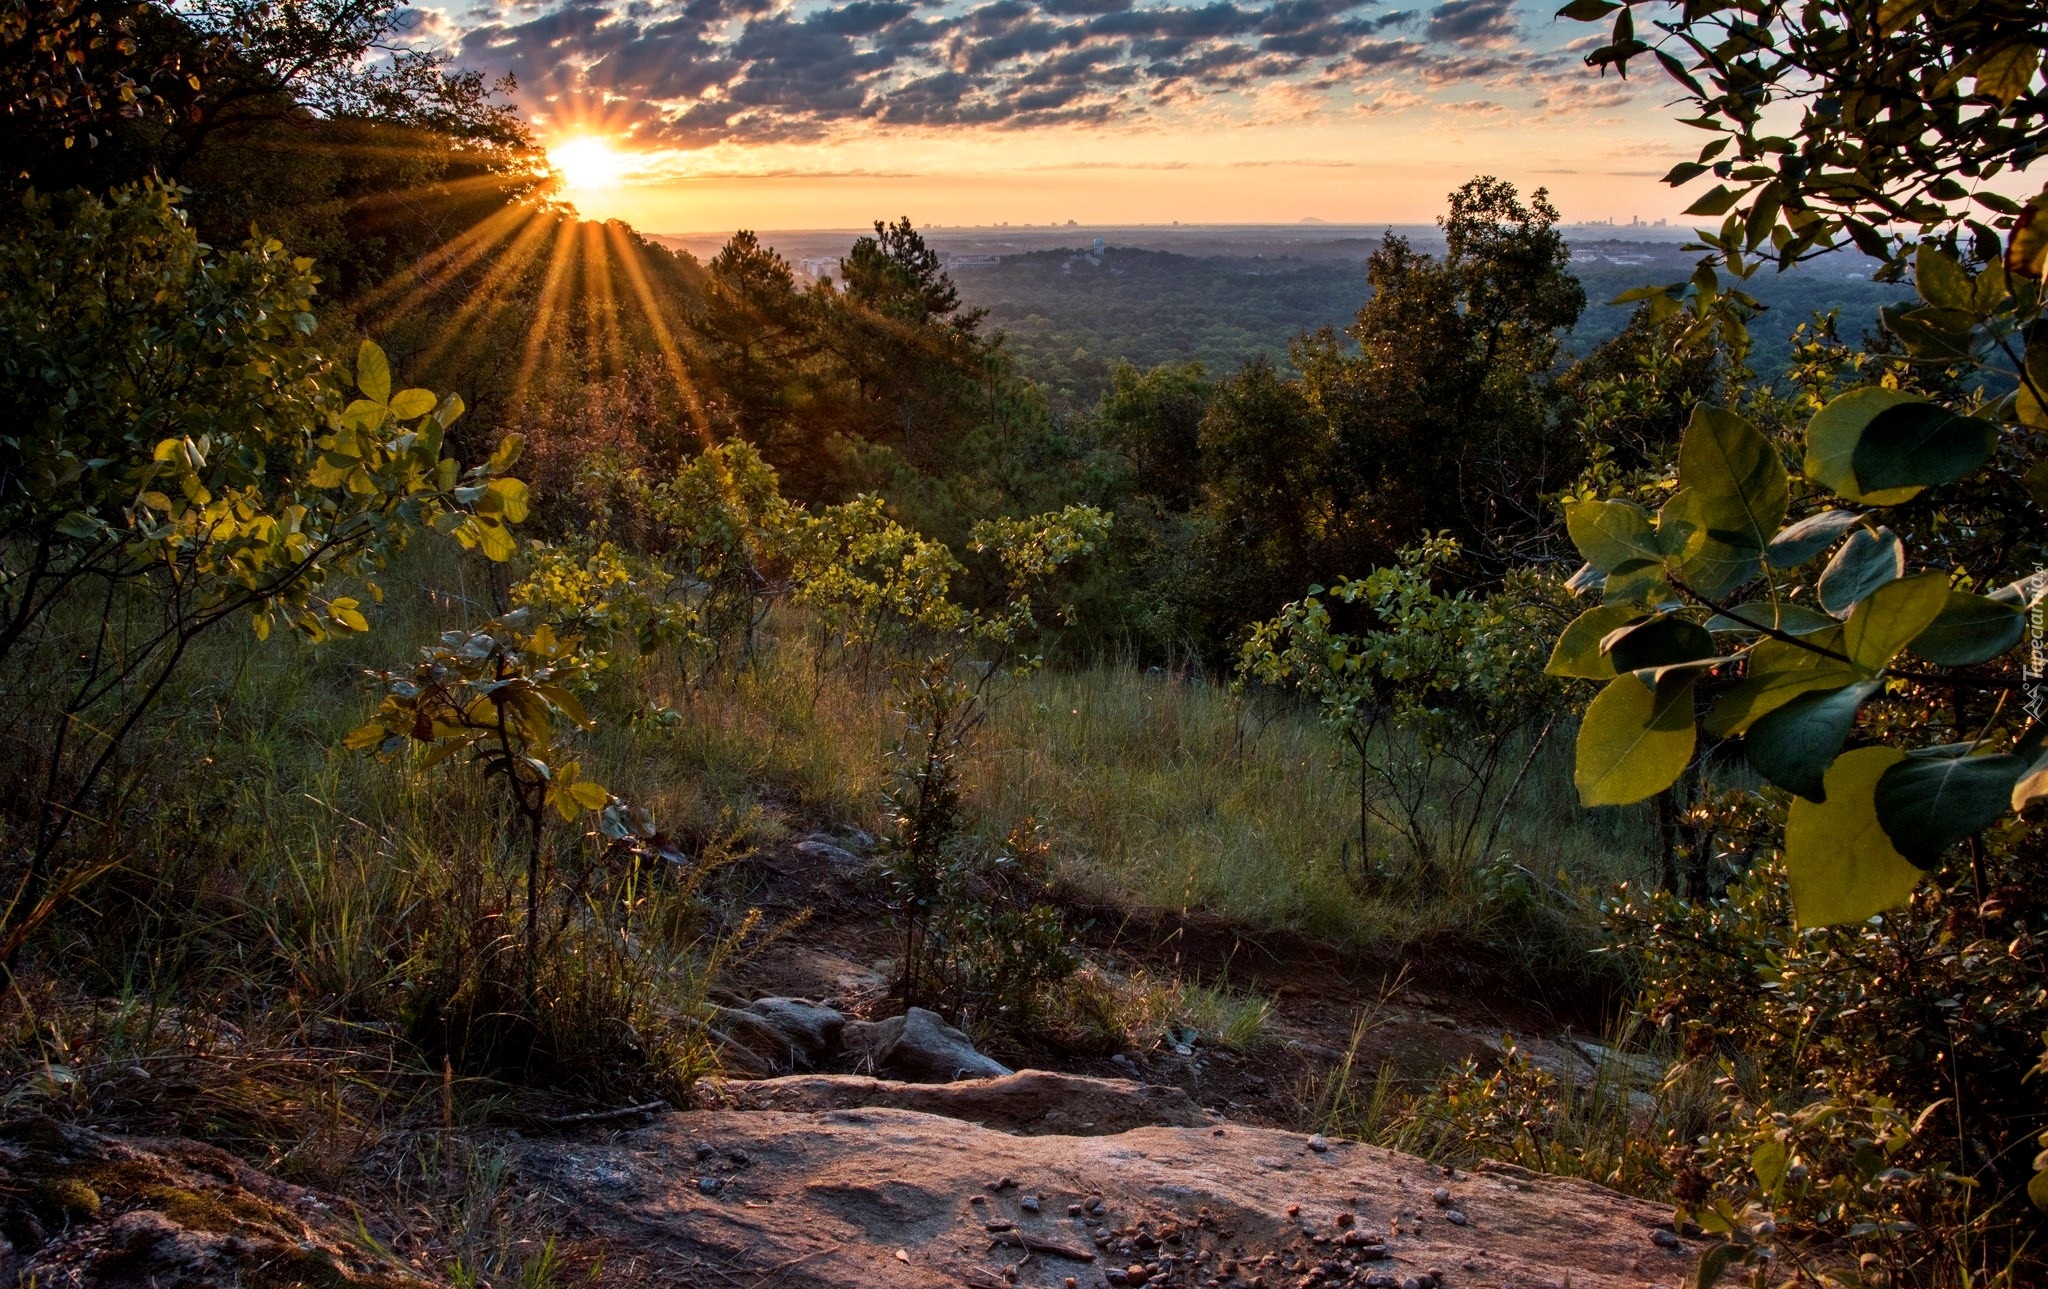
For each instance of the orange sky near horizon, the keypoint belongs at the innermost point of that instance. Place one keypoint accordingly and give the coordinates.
(704, 115)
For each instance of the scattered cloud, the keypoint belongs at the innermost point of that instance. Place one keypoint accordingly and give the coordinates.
(696, 73)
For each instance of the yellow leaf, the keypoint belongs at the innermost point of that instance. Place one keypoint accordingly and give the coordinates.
(351, 619)
(365, 737)
(408, 403)
(1842, 866)
(494, 539)
(511, 496)
(373, 372)
(2006, 74)
(590, 795)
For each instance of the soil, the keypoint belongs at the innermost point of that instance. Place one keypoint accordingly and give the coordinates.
(1425, 1013)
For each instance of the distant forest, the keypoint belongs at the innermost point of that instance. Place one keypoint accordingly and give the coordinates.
(1071, 315)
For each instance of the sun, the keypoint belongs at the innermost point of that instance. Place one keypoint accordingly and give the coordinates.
(588, 163)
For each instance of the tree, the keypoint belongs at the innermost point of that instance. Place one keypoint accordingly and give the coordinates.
(760, 335)
(1904, 110)
(184, 456)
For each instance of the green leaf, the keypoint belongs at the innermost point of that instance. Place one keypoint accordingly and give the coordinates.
(1737, 476)
(1640, 583)
(1660, 642)
(1779, 673)
(1611, 533)
(1769, 1161)
(1780, 615)
(1718, 201)
(1809, 537)
(1577, 652)
(1831, 438)
(1866, 561)
(1929, 803)
(409, 403)
(1890, 617)
(1940, 280)
(1970, 629)
(1916, 445)
(1635, 740)
(1840, 865)
(1794, 745)
(1711, 565)
(373, 373)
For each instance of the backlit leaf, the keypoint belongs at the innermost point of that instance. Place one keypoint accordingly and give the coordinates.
(1660, 642)
(409, 403)
(1778, 673)
(1840, 865)
(1611, 533)
(1736, 473)
(1577, 651)
(1916, 445)
(1890, 617)
(1635, 740)
(373, 373)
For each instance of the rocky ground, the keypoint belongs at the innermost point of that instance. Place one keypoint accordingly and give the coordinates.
(885, 1150)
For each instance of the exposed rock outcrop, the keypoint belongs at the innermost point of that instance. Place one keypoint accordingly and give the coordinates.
(884, 1197)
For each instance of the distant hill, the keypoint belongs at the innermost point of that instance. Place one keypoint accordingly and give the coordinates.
(1070, 314)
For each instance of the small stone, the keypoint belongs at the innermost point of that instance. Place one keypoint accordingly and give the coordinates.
(1345, 1220)
(1135, 1274)
(1095, 1203)
(1000, 1224)
(1412, 1282)
(1002, 1184)
(1319, 1143)
(704, 1151)
(739, 1157)
(1029, 1203)
(1294, 1210)
(977, 1200)
(1441, 1197)
(1070, 1283)
(1073, 1210)
(1664, 1239)
(711, 1185)
(1454, 1217)
(1115, 1277)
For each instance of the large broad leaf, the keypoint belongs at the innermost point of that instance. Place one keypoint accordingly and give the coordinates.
(1773, 615)
(1809, 537)
(1635, 741)
(1831, 438)
(1841, 866)
(1707, 561)
(1928, 803)
(1915, 445)
(1794, 746)
(1660, 642)
(1611, 533)
(1866, 561)
(2027, 252)
(1970, 629)
(1577, 652)
(1779, 673)
(1639, 582)
(1890, 616)
(1737, 476)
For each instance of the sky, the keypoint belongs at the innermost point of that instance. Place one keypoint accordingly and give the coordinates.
(707, 115)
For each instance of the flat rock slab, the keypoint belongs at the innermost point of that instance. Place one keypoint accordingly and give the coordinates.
(879, 1196)
(1032, 1102)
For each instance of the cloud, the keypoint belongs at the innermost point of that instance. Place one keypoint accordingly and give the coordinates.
(692, 73)
(1487, 24)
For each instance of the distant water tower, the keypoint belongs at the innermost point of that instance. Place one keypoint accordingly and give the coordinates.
(1098, 246)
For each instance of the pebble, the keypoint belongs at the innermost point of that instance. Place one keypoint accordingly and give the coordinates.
(1002, 1184)
(1442, 1197)
(1029, 1203)
(1345, 1219)
(1664, 1239)
(711, 1185)
(977, 1200)
(739, 1157)
(704, 1151)
(1319, 1143)
(1454, 1217)
(1073, 1210)
(1135, 1274)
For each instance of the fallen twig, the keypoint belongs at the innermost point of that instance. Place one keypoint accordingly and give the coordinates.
(1033, 1244)
(604, 1116)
